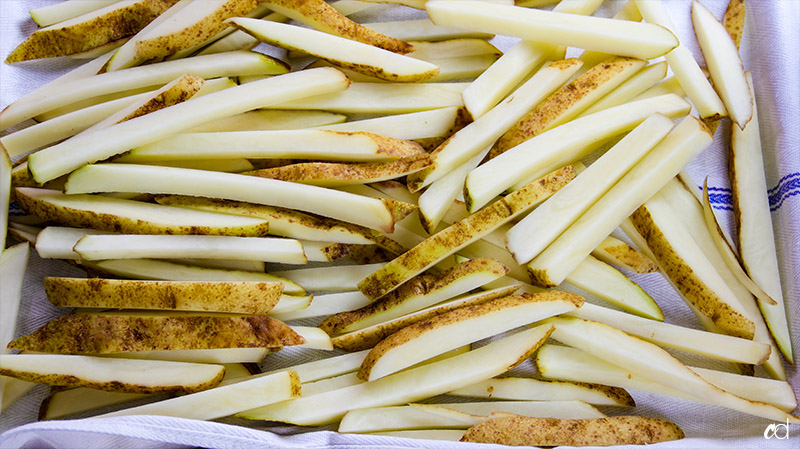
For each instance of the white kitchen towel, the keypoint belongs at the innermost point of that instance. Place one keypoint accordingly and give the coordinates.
(770, 49)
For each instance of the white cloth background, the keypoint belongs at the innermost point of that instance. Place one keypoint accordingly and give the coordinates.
(770, 49)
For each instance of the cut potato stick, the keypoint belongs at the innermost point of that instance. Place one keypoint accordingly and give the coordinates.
(416, 383)
(724, 64)
(756, 237)
(276, 144)
(426, 434)
(222, 355)
(5, 194)
(652, 362)
(284, 222)
(289, 304)
(518, 430)
(470, 140)
(326, 174)
(243, 297)
(569, 101)
(462, 326)
(211, 66)
(225, 264)
(326, 368)
(171, 271)
(559, 212)
(625, 38)
(458, 415)
(12, 390)
(414, 125)
(324, 251)
(384, 98)
(670, 85)
(362, 58)
(682, 62)
(13, 262)
(709, 344)
(370, 336)
(122, 246)
(324, 17)
(336, 278)
(126, 376)
(104, 334)
(462, 233)
(631, 88)
(51, 162)
(423, 30)
(724, 249)
(90, 30)
(223, 401)
(687, 267)
(618, 253)
(368, 212)
(527, 389)
(324, 305)
(562, 145)
(314, 337)
(237, 165)
(734, 21)
(422, 291)
(59, 12)
(457, 68)
(114, 214)
(71, 123)
(683, 143)
(267, 119)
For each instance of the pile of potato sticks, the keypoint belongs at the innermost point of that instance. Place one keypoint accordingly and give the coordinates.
(458, 206)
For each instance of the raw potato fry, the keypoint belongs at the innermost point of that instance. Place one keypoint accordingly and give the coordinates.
(266, 119)
(618, 253)
(756, 237)
(384, 98)
(724, 64)
(680, 146)
(683, 263)
(683, 64)
(528, 389)
(67, 92)
(422, 291)
(414, 125)
(372, 335)
(624, 38)
(534, 233)
(5, 194)
(423, 381)
(120, 375)
(325, 305)
(222, 355)
(473, 138)
(91, 30)
(423, 30)
(256, 298)
(336, 278)
(569, 101)
(336, 174)
(192, 25)
(276, 144)
(62, 158)
(652, 362)
(733, 21)
(289, 303)
(225, 400)
(631, 88)
(114, 214)
(709, 344)
(562, 145)
(104, 334)
(457, 68)
(126, 246)
(462, 233)
(342, 52)
(324, 17)
(368, 212)
(59, 12)
(315, 338)
(515, 430)
(171, 271)
(462, 326)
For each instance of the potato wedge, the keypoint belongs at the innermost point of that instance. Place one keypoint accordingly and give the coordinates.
(120, 375)
(733, 21)
(515, 430)
(104, 334)
(462, 326)
(618, 253)
(244, 297)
